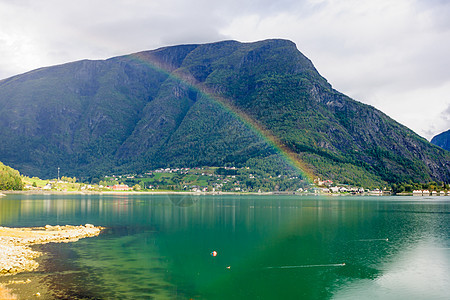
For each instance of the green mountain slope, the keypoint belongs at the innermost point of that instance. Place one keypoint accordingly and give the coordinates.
(195, 105)
(442, 140)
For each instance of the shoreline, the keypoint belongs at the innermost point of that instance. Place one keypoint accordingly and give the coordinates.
(16, 255)
(220, 193)
(40, 192)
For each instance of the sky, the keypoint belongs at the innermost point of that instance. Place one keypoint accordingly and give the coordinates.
(393, 55)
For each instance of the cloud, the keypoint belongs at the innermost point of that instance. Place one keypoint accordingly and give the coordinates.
(35, 34)
(424, 110)
(444, 119)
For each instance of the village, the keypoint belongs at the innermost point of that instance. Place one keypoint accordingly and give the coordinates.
(217, 180)
(213, 180)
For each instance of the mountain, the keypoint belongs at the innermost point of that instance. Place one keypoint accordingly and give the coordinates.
(442, 140)
(218, 104)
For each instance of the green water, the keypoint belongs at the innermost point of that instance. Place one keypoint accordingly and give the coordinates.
(268, 247)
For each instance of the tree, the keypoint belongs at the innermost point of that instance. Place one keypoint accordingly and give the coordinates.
(10, 179)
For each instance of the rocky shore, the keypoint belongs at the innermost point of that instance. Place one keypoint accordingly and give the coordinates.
(16, 255)
(15, 252)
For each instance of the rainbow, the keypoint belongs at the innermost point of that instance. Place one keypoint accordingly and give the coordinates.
(289, 156)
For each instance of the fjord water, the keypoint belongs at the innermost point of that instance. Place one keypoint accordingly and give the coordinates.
(268, 246)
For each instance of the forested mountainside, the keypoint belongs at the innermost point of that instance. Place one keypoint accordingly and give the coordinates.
(203, 105)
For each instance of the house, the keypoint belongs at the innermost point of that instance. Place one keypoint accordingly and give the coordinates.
(376, 192)
(121, 187)
(328, 182)
(319, 182)
(334, 189)
(343, 190)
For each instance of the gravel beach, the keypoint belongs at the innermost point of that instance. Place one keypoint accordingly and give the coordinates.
(16, 255)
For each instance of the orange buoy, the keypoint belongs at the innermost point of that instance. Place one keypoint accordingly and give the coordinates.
(214, 253)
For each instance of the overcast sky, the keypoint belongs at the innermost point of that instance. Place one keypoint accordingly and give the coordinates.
(392, 54)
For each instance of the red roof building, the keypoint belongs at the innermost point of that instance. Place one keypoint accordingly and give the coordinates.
(121, 187)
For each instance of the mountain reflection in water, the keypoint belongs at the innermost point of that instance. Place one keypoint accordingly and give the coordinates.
(267, 247)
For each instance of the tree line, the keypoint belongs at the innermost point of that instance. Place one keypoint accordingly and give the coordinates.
(10, 179)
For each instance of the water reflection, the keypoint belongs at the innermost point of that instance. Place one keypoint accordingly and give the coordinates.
(269, 247)
(183, 200)
(419, 272)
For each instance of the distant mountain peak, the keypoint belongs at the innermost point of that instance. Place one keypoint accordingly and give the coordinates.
(442, 140)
